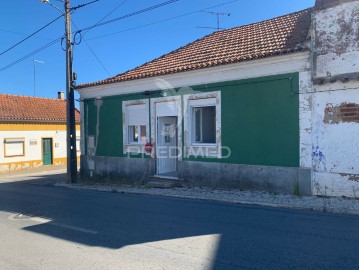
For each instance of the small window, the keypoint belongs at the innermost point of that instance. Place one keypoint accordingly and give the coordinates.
(137, 134)
(204, 125)
(137, 119)
(14, 147)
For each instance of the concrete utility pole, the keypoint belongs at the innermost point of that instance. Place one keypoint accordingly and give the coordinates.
(70, 108)
(70, 98)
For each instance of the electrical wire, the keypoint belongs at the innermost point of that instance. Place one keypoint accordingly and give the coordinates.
(83, 5)
(108, 14)
(85, 29)
(91, 50)
(31, 54)
(22, 34)
(128, 15)
(161, 21)
(33, 34)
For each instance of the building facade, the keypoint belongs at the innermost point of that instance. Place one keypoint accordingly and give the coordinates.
(33, 132)
(268, 106)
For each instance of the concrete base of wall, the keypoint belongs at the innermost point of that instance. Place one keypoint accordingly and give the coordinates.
(205, 174)
(247, 177)
(115, 169)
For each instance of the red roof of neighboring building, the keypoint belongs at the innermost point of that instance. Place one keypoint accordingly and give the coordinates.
(23, 108)
(281, 35)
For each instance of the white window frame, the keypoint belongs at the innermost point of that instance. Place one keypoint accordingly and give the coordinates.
(206, 99)
(199, 104)
(128, 145)
(14, 140)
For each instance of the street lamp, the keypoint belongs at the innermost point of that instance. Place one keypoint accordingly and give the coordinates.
(70, 86)
(34, 62)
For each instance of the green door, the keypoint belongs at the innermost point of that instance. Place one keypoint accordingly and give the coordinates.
(47, 151)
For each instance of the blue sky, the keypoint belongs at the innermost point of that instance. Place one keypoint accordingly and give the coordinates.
(116, 47)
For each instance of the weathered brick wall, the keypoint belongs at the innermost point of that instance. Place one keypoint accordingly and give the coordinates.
(342, 113)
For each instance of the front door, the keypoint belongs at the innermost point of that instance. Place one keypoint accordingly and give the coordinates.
(47, 151)
(167, 145)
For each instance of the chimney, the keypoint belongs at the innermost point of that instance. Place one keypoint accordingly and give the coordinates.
(324, 4)
(61, 95)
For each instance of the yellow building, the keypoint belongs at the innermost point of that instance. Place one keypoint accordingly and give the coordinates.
(33, 132)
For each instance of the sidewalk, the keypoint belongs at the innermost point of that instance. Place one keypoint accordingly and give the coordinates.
(320, 204)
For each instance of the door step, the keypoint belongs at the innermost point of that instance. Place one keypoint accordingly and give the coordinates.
(159, 181)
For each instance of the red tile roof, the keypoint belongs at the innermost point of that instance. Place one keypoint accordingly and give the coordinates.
(23, 108)
(281, 35)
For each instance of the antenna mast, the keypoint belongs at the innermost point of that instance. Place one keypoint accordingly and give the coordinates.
(218, 14)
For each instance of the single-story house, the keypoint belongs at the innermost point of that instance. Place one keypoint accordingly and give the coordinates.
(272, 106)
(33, 132)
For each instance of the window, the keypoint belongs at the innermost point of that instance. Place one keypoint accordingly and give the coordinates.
(204, 125)
(202, 121)
(137, 134)
(14, 147)
(137, 119)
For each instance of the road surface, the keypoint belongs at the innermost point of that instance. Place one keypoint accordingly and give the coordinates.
(45, 227)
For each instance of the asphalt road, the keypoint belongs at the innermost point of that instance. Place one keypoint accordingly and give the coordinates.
(74, 229)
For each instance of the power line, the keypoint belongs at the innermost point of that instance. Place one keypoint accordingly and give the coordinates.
(88, 28)
(21, 34)
(33, 34)
(93, 53)
(108, 14)
(88, 45)
(31, 54)
(164, 20)
(128, 15)
(84, 5)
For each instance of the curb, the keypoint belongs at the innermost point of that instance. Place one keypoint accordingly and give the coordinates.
(242, 202)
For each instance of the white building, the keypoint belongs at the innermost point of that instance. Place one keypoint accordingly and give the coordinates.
(33, 132)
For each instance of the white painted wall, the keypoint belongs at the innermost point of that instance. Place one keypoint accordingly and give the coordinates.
(34, 152)
(335, 145)
(335, 153)
(336, 40)
(305, 118)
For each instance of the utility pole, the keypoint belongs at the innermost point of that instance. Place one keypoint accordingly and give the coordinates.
(70, 89)
(70, 98)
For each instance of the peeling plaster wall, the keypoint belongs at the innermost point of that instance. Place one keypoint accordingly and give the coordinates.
(336, 40)
(335, 143)
(305, 118)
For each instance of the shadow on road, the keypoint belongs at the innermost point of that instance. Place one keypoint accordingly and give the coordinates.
(251, 237)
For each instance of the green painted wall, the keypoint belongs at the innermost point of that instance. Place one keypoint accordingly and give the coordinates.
(260, 120)
(261, 123)
(110, 137)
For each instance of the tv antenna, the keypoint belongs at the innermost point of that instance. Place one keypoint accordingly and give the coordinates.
(218, 14)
